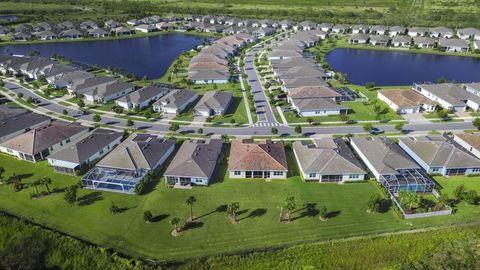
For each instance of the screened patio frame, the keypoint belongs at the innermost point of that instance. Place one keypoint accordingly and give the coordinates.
(111, 179)
(412, 180)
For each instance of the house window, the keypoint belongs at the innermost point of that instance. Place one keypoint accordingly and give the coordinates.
(277, 173)
(353, 176)
(67, 141)
(435, 169)
(101, 152)
(198, 180)
(312, 175)
(237, 173)
(476, 170)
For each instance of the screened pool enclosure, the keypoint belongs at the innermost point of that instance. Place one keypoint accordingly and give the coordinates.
(412, 180)
(109, 179)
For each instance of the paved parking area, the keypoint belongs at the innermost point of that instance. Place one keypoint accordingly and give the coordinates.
(415, 118)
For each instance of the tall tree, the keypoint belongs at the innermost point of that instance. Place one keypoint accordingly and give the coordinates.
(290, 206)
(2, 171)
(232, 209)
(190, 202)
(47, 181)
(175, 221)
(70, 195)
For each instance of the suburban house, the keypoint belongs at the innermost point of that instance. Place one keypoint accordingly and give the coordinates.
(46, 35)
(454, 45)
(440, 155)
(444, 32)
(176, 101)
(122, 31)
(213, 103)
(417, 31)
(83, 151)
(326, 27)
(15, 121)
(98, 33)
(266, 159)
(301, 82)
(145, 28)
(378, 30)
(401, 41)
(62, 80)
(308, 92)
(396, 30)
(469, 141)
(327, 160)
(143, 97)
(340, 28)
(468, 33)
(127, 164)
(71, 34)
(476, 45)
(424, 42)
(106, 92)
(358, 38)
(87, 84)
(391, 166)
(317, 107)
(194, 163)
(360, 29)
(449, 96)
(406, 101)
(40, 142)
(379, 40)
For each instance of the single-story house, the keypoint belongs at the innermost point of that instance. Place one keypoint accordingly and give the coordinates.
(317, 107)
(406, 101)
(360, 29)
(454, 45)
(326, 27)
(358, 39)
(417, 31)
(308, 92)
(263, 32)
(143, 97)
(15, 121)
(440, 154)
(126, 165)
(87, 84)
(68, 78)
(340, 29)
(146, 28)
(449, 96)
(476, 44)
(424, 42)
(401, 41)
(40, 142)
(469, 141)
(106, 92)
(266, 159)
(88, 24)
(378, 30)
(468, 33)
(277, 54)
(209, 76)
(98, 32)
(176, 101)
(121, 31)
(327, 160)
(444, 32)
(111, 24)
(194, 163)
(301, 82)
(379, 40)
(306, 25)
(71, 34)
(391, 166)
(213, 103)
(46, 35)
(83, 151)
(396, 30)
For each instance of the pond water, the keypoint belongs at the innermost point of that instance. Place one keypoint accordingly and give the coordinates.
(389, 68)
(8, 17)
(150, 56)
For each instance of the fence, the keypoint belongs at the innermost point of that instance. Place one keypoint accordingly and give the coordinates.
(448, 211)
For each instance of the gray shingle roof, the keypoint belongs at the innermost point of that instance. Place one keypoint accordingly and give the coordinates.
(316, 104)
(139, 151)
(175, 99)
(85, 147)
(437, 151)
(327, 157)
(195, 159)
(214, 100)
(91, 82)
(384, 155)
(145, 93)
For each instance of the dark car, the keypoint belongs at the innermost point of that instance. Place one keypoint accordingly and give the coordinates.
(376, 131)
(81, 112)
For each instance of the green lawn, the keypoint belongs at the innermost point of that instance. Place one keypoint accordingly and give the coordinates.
(259, 200)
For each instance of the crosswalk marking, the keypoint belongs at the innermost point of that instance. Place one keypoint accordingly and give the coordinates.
(266, 124)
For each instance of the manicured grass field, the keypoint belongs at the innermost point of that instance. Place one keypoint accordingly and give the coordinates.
(260, 203)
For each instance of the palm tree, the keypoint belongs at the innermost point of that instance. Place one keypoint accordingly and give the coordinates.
(190, 201)
(37, 183)
(2, 170)
(290, 206)
(232, 209)
(46, 181)
(175, 221)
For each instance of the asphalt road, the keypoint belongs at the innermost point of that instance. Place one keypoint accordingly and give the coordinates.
(265, 129)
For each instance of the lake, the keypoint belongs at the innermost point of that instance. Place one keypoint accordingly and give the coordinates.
(8, 17)
(150, 56)
(401, 68)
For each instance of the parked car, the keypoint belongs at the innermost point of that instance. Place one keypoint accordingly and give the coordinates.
(287, 109)
(37, 101)
(82, 112)
(351, 122)
(376, 131)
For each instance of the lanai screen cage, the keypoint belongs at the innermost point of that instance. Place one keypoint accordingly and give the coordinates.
(412, 180)
(116, 180)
